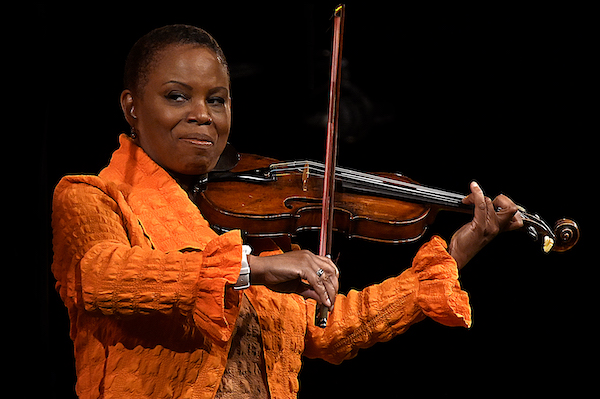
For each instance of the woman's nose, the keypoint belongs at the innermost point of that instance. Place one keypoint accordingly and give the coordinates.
(199, 114)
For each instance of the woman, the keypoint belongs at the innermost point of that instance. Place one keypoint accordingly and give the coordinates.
(160, 304)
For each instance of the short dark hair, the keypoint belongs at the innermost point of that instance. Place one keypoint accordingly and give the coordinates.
(144, 52)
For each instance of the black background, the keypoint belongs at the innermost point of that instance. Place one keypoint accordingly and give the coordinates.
(503, 94)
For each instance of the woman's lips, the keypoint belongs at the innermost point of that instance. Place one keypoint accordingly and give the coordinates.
(198, 142)
(201, 140)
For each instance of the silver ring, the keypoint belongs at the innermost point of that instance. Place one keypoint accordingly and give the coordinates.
(320, 272)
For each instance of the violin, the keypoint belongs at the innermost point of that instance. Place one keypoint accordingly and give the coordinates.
(266, 198)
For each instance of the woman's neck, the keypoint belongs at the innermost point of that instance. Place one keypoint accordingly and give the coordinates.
(189, 183)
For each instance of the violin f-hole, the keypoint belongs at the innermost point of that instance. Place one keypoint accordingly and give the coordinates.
(306, 200)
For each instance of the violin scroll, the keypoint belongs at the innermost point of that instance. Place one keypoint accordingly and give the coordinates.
(567, 235)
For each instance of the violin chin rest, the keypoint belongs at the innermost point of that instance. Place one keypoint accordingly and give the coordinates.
(228, 160)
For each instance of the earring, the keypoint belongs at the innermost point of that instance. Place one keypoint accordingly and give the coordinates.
(133, 133)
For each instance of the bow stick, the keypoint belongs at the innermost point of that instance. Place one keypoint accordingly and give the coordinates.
(331, 149)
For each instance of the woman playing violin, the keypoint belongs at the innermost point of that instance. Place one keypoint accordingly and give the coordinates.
(163, 306)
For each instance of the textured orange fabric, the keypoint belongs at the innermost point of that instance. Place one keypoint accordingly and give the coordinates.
(147, 285)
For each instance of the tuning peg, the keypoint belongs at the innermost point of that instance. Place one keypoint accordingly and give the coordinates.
(532, 233)
(548, 244)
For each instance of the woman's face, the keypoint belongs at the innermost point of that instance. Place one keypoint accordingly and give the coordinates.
(183, 115)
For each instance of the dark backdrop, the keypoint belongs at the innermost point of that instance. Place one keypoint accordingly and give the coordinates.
(501, 94)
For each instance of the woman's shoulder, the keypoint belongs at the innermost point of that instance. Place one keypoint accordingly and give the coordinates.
(83, 189)
(79, 183)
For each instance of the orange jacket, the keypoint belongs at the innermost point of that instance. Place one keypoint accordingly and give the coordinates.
(147, 285)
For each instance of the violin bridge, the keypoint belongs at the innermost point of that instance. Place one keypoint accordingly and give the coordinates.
(305, 175)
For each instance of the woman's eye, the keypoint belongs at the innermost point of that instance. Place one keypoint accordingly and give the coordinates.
(176, 97)
(216, 100)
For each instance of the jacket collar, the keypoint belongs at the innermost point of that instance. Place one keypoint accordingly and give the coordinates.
(169, 218)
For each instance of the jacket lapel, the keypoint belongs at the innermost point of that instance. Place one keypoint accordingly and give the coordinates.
(169, 218)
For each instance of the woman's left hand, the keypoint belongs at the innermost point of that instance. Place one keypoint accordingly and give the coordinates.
(490, 218)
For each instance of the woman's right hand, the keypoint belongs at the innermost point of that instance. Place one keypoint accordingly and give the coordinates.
(297, 272)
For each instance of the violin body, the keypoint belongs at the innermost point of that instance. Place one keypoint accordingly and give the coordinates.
(293, 204)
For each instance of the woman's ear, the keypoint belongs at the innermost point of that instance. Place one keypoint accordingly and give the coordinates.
(128, 107)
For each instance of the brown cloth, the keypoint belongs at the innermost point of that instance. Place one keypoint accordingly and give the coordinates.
(245, 375)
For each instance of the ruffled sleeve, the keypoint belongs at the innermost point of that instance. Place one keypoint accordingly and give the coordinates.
(429, 288)
(440, 296)
(217, 303)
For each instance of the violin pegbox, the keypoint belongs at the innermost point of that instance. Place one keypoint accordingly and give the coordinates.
(561, 238)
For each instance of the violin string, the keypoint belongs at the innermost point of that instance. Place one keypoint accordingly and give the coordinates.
(361, 178)
(411, 190)
(429, 192)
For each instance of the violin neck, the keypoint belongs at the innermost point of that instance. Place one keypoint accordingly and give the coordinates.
(406, 192)
(372, 184)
